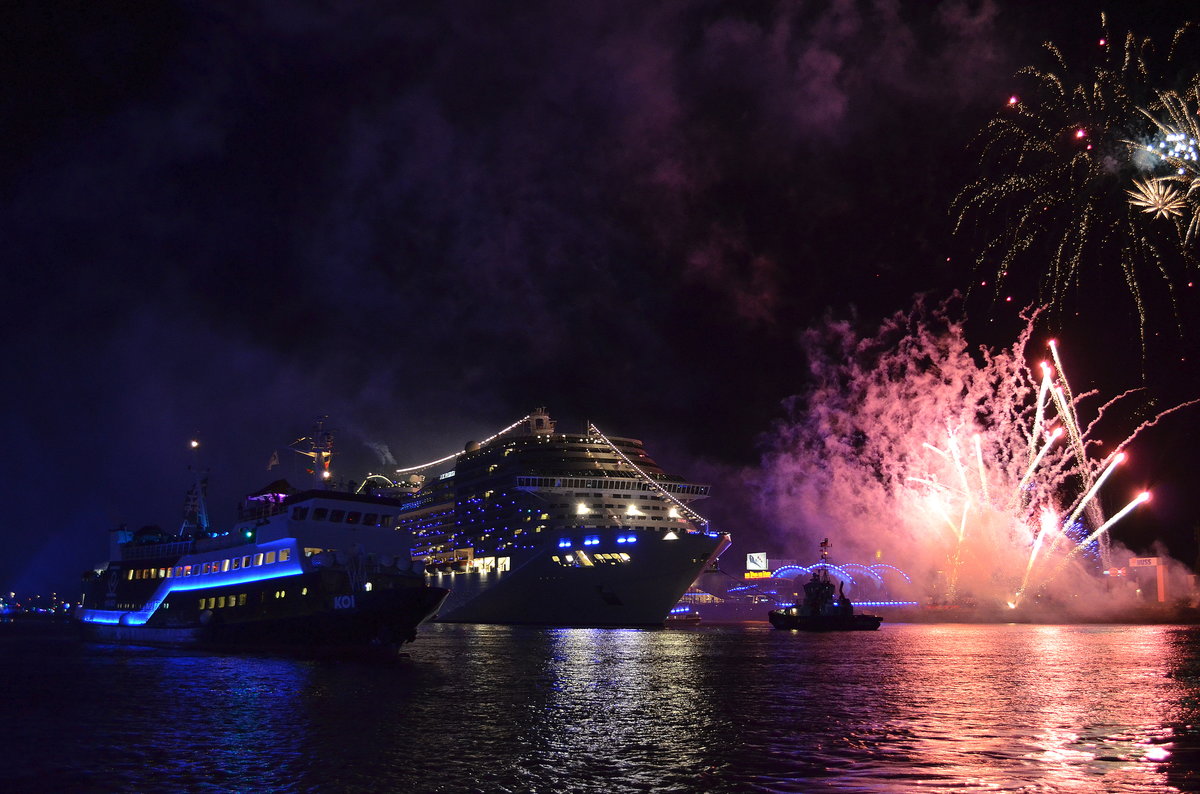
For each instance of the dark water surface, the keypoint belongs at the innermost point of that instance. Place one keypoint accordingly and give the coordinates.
(716, 708)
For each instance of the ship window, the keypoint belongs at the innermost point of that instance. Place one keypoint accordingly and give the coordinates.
(204, 568)
(368, 587)
(336, 515)
(211, 602)
(224, 565)
(284, 554)
(241, 599)
(387, 521)
(299, 513)
(246, 561)
(320, 513)
(187, 570)
(270, 558)
(130, 576)
(258, 558)
(371, 520)
(202, 603)
(353, 517)
(179, 570)
(220, 602)
(237, 563)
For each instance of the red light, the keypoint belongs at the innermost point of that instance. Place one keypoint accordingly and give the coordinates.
(1103, 42)
(1080, 133)
(1012, 100)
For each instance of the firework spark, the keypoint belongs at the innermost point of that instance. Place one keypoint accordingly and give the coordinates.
(1057, 165)
(976, 474)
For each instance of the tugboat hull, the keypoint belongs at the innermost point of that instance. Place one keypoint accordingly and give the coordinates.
(783, 619)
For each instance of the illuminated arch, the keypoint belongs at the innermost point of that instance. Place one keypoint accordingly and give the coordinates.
(907, 578)
(858, 566)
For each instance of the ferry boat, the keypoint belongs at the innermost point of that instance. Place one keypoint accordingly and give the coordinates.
(310, 569)
(534, 526)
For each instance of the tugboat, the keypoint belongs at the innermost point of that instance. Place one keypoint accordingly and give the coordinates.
(820, 611)
(317, 569)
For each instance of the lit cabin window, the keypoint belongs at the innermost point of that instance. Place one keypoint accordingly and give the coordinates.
(258, 559)
(581, 509)
(212, 602)
(270, 558)
(202, 603)
(236, 563)
(220, 602)
(241, 599)
(284, 554)
(224, 565)
(187, 570)
(130, 576)
(205, 568)
(179, 570)
(246, 561)
(368, 587)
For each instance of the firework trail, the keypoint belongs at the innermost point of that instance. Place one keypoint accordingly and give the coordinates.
(967, 468)
(1065, 188)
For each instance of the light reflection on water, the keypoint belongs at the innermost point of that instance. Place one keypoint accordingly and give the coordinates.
(745, 708)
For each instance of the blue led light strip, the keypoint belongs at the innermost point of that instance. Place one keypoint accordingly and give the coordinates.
(275, 570)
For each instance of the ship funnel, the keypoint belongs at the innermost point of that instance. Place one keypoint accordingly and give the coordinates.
(540, 422)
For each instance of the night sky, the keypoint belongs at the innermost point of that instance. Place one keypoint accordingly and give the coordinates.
(425, 219)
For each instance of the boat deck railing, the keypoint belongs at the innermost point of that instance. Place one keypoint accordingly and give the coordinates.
(175, 549)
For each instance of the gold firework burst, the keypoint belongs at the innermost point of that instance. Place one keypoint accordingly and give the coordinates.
(1156, 198)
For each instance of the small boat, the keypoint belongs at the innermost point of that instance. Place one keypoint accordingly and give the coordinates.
(820, 611)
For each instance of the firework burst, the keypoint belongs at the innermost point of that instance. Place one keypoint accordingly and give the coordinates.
(1173, 157)
(980, 474)
(1157, 198)
(1058, 165)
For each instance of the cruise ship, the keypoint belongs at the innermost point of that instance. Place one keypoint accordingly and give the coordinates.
(534, 526)
(313, 570)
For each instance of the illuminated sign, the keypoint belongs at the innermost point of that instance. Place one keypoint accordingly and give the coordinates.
(756, 561)
(758, 574)
(1144, 562)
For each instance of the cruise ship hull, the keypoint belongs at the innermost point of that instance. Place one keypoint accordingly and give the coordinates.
(541, 591)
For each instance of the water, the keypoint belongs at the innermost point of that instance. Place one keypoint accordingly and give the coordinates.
(714, 709)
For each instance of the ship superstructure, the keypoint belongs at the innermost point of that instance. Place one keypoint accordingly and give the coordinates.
(306, 569)
(541, 527)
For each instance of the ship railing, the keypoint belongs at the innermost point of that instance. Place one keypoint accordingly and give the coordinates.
(370, 562)
(225, 541)
(156, 550)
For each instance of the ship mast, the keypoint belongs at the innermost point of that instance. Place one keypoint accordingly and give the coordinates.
(319, 447)
(195, 507)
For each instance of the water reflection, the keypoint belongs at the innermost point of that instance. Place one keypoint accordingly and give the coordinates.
(715, 709)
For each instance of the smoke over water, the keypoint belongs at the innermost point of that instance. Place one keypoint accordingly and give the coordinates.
(978, 472)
